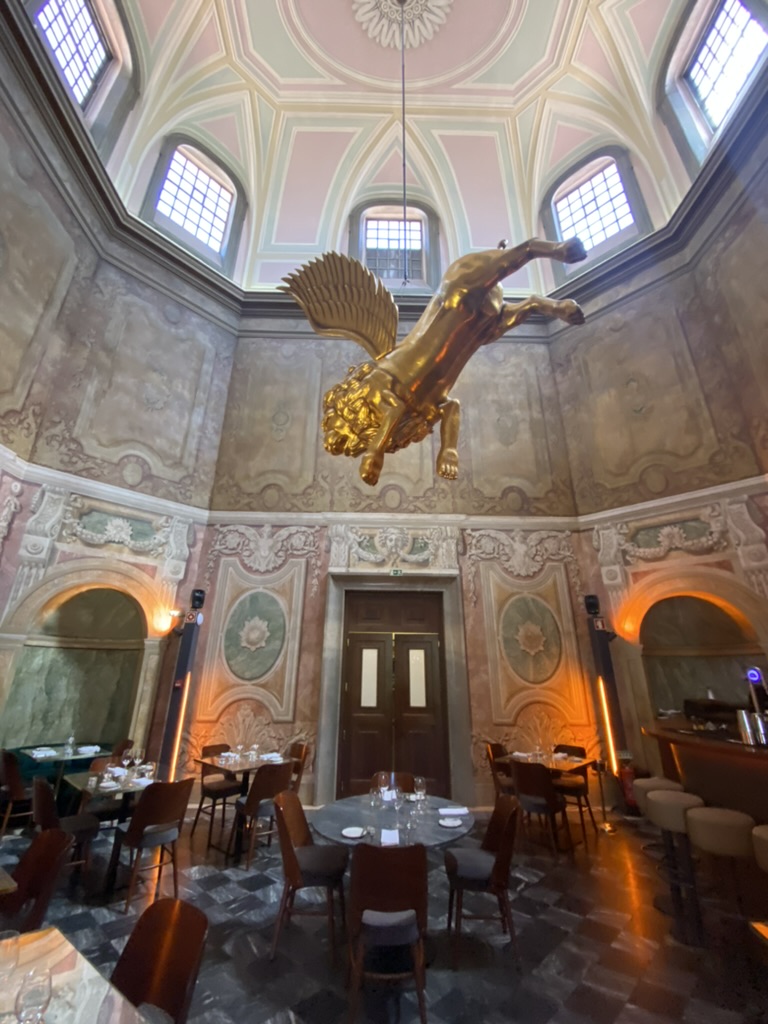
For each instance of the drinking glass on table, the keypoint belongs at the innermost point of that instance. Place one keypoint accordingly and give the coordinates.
(126, 757)
(138, 756)
(33, 996)
(420, 792)
(9, 954)
(382, 781)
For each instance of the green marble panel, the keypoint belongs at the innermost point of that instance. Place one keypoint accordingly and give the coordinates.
(96, 614)
(254, 636)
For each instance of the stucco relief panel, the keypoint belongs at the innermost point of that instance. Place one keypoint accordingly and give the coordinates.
(513, 424)
(255, 631)
(146, 388)
(37, 261)
(532, 648)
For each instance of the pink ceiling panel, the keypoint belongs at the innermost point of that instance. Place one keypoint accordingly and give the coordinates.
(225, 130)
(475, 161)
(567, 140)
(207, 45)
(154, 13)
(312, 166)
(591, 55)
(392, 171)
(647, 16)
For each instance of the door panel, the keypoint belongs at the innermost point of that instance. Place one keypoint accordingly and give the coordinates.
(367, 711)
(393, 704)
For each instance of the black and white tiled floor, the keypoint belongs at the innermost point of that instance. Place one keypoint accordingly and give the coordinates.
(593, 947)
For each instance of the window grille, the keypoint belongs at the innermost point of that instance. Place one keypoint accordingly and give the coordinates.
(79, 47)
(596, 209)
(195, 201)
(384, 248)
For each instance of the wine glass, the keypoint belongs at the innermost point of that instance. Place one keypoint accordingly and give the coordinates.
(239, 747)
(420, 792)
(138, 756)
(126, 757)
(9, 954)
(33, 996)
(382, 781)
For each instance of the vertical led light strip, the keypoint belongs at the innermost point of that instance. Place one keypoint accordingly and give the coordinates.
(179, 728)
(608, 727)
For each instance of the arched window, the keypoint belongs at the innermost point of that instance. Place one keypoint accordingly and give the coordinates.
(599, 202)
(92, 51)
(393, 249)
(715, 55)
(192, 199)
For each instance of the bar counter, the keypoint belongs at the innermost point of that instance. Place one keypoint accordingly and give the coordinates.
(723, 771)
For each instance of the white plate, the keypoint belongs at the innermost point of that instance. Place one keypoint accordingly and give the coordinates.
(353, 832)
(450, 822)
(108, 786)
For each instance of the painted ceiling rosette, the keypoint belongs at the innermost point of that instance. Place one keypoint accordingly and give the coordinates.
(381, 20)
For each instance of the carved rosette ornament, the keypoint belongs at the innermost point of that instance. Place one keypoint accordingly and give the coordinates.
(520, 554)
(264, 549)
(381, 20)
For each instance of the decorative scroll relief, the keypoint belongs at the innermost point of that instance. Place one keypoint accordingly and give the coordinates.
(432, 550)
(750, 543)
(521, 554)
(37, 548)
(245, 723)
(381, 20)
(11, 506)
(698, 532)
(264, 549)
(255, 640)
(531, 645)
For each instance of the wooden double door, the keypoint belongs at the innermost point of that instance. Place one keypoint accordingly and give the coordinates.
(393, 708)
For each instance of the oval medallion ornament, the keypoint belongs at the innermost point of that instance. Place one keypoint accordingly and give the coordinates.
(530, 639)
(381, 20)
(254, 636)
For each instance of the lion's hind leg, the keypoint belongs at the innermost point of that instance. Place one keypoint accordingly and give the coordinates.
(448, 456)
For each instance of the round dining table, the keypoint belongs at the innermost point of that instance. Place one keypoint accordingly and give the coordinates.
(383, 824)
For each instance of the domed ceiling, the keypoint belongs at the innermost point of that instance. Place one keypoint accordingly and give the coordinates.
(300, 99)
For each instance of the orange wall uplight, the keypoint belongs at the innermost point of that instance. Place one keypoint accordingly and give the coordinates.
(608, 726)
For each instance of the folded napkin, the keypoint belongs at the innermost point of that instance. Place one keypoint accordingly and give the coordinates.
(388, 795)
(452, 812)
(390, 837)
(143, 782)
(560, 756)
(522, 754)
(92, 748)
(117, 771)
(272, 757)
(43, 752)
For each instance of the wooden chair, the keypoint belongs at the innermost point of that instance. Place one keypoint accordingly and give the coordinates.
(268, 780)
(575, 784)
(400, 780)
(36, 876)
(120, 747)
(503, 780)
(387, 907)
(82, 827)
(156, 824)
(161, 960)
(216, 785)
(484, 869)
(13, 792)
(297, 755)
(306, 865)
(537, 795)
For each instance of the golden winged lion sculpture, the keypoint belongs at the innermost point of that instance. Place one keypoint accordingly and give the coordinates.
(397, 398)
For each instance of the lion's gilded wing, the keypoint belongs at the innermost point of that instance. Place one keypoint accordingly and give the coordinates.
(343, 299)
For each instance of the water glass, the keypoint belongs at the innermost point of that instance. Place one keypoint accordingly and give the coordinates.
(420, 792)
(9, 954)
(33, 996)
(375, 796)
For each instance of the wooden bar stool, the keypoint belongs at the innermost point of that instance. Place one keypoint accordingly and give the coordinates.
(668, 809)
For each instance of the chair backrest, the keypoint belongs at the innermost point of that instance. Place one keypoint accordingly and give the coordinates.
(492, 751)
(44, 812)
(297, 755)
(268, 781)
(293, 832)
(532, 779)
(387, 879)
(573, 750)
(161, 960)
(213, 750)
(36, 875)
(99, 764)
(120, 747)
(402, 780)
(499, 838)
(11, 776)
(161, 803)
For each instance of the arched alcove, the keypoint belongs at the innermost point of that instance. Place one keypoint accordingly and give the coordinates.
(693, 649)
(77, 672)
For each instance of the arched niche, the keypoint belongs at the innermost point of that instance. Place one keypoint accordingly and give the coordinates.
(80, 654)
